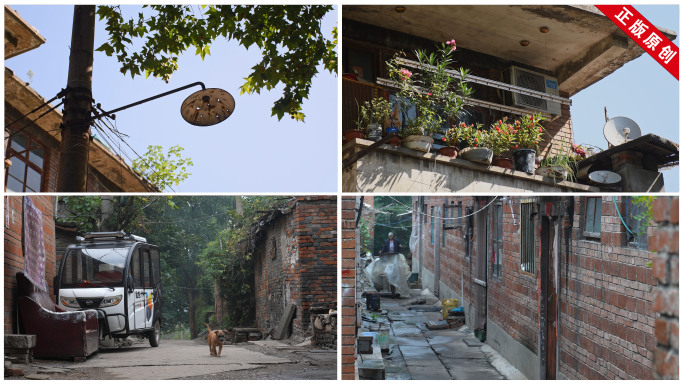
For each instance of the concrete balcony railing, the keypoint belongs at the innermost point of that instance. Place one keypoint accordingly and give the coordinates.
(399, 169)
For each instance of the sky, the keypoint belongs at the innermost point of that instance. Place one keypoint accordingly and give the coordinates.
(641, 90)
(249, 152)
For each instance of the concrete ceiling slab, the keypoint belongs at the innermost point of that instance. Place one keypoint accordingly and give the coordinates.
(579, 40)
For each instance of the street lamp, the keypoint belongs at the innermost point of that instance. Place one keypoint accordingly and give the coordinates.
(205, 107)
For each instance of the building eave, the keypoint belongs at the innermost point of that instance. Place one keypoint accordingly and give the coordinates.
(20, 36)
(23, 98)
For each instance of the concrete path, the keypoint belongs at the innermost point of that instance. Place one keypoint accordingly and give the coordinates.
(172, 359)
(421, 354)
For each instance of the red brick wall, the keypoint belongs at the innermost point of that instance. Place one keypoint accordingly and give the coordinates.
(369, 218)
(513, 298)
(14, 256)
(302, 268)
(607, 288)
(558, 130)
(665, 242)
(348, 287)
(316, 232)
(454, 266)
(606, 321)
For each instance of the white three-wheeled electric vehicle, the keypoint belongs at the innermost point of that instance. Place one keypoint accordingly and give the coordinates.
(119, 276)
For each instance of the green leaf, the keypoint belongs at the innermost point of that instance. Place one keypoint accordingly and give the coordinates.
(289, 37)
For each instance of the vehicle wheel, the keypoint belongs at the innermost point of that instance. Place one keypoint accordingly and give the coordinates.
(155, 335)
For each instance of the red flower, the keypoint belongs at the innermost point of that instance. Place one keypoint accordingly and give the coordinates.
(516, 146)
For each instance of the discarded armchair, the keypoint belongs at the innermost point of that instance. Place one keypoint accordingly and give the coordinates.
(59, 333)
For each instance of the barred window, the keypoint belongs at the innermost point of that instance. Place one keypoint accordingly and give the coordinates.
(432, 225)
(527, 263)
(636, 213)
(592, 217)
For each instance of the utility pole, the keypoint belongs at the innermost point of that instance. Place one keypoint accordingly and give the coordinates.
(73, 161)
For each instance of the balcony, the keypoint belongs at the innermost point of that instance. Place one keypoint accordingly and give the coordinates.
(390, 169)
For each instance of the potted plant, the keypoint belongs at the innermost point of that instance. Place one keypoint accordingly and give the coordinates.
(451, 141)
(437, 96)
(527, 132)
(378, 110)
(478, 142)
(362, 120)
(500, 141)
(560, 166)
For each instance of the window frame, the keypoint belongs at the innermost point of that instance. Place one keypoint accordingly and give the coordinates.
(640, 240)
(590, 204)
(24, 156)
(432, 225)
(528, 247)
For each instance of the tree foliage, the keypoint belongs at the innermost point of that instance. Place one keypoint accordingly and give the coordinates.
(163, 170)
(389, 220)
(229, 262)
(99, 213)
(289, 37)
(203, 241)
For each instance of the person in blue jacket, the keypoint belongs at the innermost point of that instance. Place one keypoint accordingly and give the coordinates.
(391, 245)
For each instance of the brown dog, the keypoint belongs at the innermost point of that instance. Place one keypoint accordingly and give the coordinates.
(215, 340)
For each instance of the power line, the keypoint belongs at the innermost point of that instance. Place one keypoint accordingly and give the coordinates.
(436, 217)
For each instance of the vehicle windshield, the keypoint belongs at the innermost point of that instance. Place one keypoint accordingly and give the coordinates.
(94, 267)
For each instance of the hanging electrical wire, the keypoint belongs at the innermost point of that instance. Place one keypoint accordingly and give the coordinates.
(437, 217)
(60, 94)
(115, 131)
(31, 122)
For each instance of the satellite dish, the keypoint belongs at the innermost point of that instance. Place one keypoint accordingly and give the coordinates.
(604, 177)
(619, 130)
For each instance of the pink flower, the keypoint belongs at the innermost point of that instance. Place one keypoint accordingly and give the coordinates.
(429, 94)
(405, 73)
(452, 43)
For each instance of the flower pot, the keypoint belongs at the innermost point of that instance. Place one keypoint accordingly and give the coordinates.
(555, 172)
(374, 132)
(396, 141)
(451, 152)
(524, 160)
(353, 134)
(503, 162)
(477, 154)
(418, 142)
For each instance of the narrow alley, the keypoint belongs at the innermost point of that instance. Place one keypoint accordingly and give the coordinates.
(415, 352)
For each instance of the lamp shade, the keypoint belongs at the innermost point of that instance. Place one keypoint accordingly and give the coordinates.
(208, 107)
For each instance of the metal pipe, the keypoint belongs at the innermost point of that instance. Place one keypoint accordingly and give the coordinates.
(437, 239)
(107, 113)
(421, 201)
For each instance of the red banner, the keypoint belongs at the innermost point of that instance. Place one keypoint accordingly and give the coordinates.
(645, 34)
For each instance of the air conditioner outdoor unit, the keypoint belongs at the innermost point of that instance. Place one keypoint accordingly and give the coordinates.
(534, 81)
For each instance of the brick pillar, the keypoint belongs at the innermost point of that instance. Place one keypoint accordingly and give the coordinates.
(348, 287)
(665, 241)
